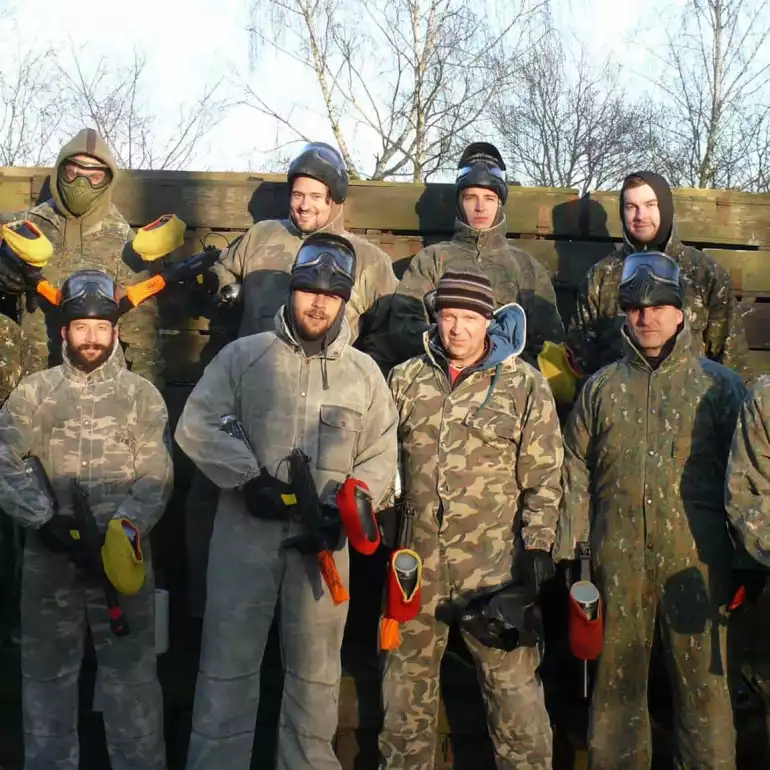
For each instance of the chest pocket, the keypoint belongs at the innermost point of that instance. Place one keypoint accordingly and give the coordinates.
(338, 434)
(498, 433)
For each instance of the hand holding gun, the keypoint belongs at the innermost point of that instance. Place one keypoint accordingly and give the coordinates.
(322, 533)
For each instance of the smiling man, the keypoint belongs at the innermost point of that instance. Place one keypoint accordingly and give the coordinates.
(479, 243)
(481, 452)
(646, 451)
(713, 314)
(300, 386)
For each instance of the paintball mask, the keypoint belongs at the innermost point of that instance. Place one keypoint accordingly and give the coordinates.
(81, 182)
(481, 165)
(325, 263)
(89, 294)
(649, 279)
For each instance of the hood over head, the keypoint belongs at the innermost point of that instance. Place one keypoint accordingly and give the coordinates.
(662, 191)
(85, 142)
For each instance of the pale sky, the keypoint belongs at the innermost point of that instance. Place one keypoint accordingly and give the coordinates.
(191, 43)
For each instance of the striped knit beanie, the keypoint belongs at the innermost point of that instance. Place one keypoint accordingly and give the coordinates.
(466, 290)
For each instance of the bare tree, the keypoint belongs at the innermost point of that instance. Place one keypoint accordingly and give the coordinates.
(414, 76)
(111, 98)
(716, 107)
(30, 111)
(568, 123)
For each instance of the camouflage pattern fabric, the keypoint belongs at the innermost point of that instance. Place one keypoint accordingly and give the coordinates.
(645, 460)
(481, 465)
(105, 247)
(109, 430)
(515, 275)
(262, 260)
(10, 356)
(748, 473)
(348, 429)
(710, 307)
(99, 239)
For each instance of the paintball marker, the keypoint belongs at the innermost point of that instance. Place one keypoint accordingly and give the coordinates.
(585, 615)
(24, 251)
(322, 533)
(155, 242)
(403, 587)
(92, 547)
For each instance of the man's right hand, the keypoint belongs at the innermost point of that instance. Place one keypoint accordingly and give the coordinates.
(61, 534)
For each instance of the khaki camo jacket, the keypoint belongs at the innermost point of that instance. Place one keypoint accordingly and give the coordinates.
(645, 460)
(99, 240)
(107, 429)
(262, 259)
(748, 473)
(515, 275)
(712, 311)
(481, 460)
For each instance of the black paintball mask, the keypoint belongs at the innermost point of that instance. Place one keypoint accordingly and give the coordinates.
(650, 279)
(89, 294)
(481, 165)
(325, 263)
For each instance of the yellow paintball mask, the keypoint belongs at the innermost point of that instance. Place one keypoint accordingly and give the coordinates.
(27, 242)
(159, 238)
(122, 556)
(558, 367)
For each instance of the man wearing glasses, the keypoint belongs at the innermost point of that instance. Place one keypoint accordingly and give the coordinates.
(87, 232)
(479, 243)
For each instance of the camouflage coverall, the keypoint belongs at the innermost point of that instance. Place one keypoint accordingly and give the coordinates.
(482, 466)
(348, 429)
(99, 239)
(262, 260)
(515, 275)
(10, 356)
(645, 460)
(710, 308)
(109, 430)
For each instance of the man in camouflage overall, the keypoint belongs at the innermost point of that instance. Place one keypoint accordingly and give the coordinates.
(479, 243)
(92, 420)
(713, 315)
(88, 232)
(481, 455)
(261, 261)
(645, 458)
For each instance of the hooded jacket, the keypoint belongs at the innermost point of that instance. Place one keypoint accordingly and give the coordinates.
(100, 239)
(515, 276)
(261, 260)
(278, 394)
(645, 460)
(710, 306)
(481, 459)
(107, 428)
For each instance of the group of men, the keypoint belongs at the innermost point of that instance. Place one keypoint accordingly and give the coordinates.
(662, 468)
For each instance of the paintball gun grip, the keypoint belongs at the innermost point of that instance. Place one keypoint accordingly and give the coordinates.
(332, 577)
(140, 292)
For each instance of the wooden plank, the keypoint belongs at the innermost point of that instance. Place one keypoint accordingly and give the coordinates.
(234, 200)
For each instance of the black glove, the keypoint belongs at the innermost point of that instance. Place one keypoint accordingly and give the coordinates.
(533, 566)
(263, 496)
(61, 534)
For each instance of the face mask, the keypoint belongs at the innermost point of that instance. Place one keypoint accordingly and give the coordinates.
(78, 196)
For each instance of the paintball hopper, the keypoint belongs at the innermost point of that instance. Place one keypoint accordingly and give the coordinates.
(122, 556)
(354, 503)
(585, 620)
(403, 595)
(159, 238)
(27, 243)
(558, 366)
(24, 252)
